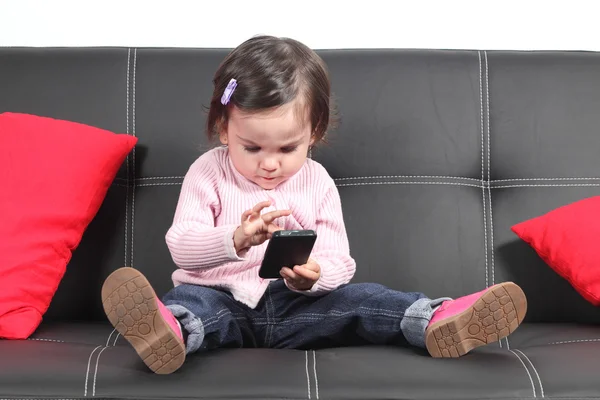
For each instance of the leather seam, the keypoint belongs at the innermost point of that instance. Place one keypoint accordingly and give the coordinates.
(411, 176)
(545, 179)
(109, 337)
(536, 372)
(489, 177)
(574, 341)
(481, 186)
(87, 374)
(96, 372)
(126, 163)
(489, 154)
(548, 185)
(409, 183)
(528, 373)
(315, 371)
(48, 340)
(133, 155)
(404, 176)
(485, 238)
(307, 374)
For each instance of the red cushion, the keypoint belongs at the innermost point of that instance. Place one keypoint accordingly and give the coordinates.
(567, 239)
(54, 176)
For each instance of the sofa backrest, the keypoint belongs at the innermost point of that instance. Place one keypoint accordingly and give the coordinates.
(439, 153)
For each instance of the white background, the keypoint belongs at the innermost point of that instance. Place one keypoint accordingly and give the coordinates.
(445, 24)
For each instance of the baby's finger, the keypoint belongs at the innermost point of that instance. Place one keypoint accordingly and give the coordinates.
(284, 275)
(312, 266)
(273, 215)
(289, 273)
(272, 228)
(246, 215)
(306, 273)
(259, 207)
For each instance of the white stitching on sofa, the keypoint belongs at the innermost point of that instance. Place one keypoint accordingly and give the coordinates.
(128, 62)
(96, 372)
(534, 370)
(133, 182)
(411, 176)
(47, 340)
(424, 183)
(545, 179)
(485, 238)
(548, 185)
(110, 336)
(160, 184)
(307, 374)
(489, 156)
(315, 371)
(489, 176)
(127, 166)
(405, 176)
(526, 370)
(408, 183)
(88, 370)
(160, 177)
(576, 341)
(354, 184)
(116, 337)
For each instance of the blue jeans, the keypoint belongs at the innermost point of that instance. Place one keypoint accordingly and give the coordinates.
(353, 314)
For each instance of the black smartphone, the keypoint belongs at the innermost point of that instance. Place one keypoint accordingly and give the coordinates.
(286, 249)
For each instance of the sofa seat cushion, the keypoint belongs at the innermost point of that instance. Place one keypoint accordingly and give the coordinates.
(74, 361)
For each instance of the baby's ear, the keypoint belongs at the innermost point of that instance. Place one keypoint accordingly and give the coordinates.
(221, 129)
(223, 137)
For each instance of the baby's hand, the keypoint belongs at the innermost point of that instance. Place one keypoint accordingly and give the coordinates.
(302, 277)
(255, 228)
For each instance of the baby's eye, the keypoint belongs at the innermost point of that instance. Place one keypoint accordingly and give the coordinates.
(289, 149)
(252, 149)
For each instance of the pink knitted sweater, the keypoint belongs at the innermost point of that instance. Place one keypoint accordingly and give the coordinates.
(213, 197)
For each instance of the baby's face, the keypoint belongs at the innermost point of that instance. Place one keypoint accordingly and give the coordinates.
(267, 147)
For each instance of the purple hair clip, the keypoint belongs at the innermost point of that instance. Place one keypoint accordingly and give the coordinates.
(228, 91)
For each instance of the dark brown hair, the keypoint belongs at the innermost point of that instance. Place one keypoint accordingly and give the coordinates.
(271, 72)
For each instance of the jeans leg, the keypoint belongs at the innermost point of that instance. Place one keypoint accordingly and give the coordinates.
(211, 318)
(417, 317)
(353, 314)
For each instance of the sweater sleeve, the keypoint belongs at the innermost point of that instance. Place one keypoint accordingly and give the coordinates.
(193, 240)
(331, 250)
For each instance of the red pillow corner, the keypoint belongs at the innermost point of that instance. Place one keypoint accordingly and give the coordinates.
(566, 239)
(58, 173)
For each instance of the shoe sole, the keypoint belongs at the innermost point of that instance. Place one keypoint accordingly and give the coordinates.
(495, 315)
(130, 305)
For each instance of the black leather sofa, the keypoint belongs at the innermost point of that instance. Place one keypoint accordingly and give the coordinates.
(439, 153)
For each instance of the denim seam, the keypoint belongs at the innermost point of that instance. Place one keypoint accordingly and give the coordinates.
(216, 317)
(299, 319)
(333, 313)
(271, 328)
